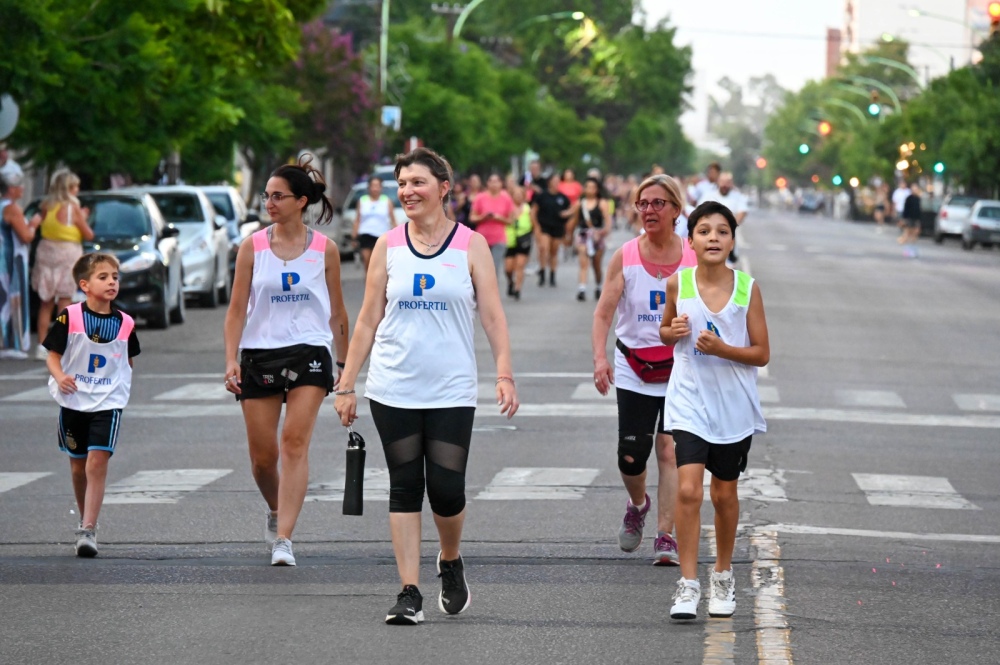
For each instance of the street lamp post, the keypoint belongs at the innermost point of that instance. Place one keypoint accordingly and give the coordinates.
(383, 47)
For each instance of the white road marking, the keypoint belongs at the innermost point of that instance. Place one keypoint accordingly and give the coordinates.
(776, 248)
(768, 394)
(877, 398)
(376, 487)
(977, 402)
(758, 484)
(197, 392)
(587, 390)
(164, 486)
(911, 491)
(12, 480)
(809, 530)
(40, 394)
(774, 643)
(540, 483)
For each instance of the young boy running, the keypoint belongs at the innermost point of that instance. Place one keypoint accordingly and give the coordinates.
(712, 404)
(91, 346)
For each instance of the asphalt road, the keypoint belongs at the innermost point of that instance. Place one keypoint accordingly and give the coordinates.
(870, 515)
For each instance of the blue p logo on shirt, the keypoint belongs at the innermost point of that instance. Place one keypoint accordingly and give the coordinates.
(422, 282)
(656, 299)
(95, 363)
(288, 280)
(711, 328)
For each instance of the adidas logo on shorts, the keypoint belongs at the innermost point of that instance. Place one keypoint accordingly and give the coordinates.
(315, 366)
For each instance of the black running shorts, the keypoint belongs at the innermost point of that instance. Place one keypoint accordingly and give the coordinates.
(726, 461)
(80, 431)
(267, 372)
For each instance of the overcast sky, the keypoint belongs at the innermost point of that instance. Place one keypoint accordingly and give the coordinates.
(745, 38)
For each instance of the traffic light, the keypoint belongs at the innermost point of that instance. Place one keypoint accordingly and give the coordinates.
(939, 166)
(761, 163)
(993, 10)
(838, 181)
(874, 108)
(825, 128)
(804, 149)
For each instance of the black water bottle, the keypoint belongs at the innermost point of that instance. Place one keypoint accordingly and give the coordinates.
(354, 474)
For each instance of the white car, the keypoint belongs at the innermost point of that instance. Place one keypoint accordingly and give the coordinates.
(982, 225)
(950, 218)
(204, 241)
(241, 222)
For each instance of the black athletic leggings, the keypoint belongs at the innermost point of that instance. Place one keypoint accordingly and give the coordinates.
(431, 442)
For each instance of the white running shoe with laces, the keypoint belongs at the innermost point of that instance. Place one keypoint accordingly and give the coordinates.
(686, 598)
(722, 598)
(281, 553)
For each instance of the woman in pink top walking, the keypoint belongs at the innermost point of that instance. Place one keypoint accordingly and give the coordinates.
(492, 211)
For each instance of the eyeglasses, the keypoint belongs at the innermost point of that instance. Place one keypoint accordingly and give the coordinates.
(277, 197)
(657, 205)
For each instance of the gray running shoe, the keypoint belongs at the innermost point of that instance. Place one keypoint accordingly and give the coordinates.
(281, 553)
(630, 533)
(86, 543)
(271, 527)
(665, 551)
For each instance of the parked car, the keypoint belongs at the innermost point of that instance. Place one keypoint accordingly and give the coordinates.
(951, 216)
(982, 225)
(204, 241)
(130, 226)
(812, 202)
(241, 222)
(350, 211)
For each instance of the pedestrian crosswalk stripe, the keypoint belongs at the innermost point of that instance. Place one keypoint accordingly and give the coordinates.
(376, 487)
(40, 394)
(977, 402)
(163, 486)
(758, 484)
(13, 480)
(911, 491)
(197, 392)
(768, 394)
(587, 390)
(877, 398)
(539, 483)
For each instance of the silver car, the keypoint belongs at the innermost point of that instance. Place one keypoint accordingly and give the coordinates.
(949, 219)
(240, 221)
(204, 241)
(982, 225)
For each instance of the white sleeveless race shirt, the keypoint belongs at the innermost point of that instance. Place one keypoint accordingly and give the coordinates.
(424, 357)
(708, 396)
(101, 371)
(640, 312)
(289, 301)
(374, 215)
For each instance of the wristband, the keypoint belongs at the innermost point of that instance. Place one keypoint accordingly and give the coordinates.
(505, 378)
(340, 364)
(344, 392)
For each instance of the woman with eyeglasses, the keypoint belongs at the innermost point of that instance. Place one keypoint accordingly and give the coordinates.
(635, 290)
(286, 310)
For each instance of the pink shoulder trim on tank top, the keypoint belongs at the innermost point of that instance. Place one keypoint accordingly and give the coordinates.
(75, 323)
(318, 243)
(260, 241)
(630, 253)
(396, 237)
(126, 329)
(463, 234)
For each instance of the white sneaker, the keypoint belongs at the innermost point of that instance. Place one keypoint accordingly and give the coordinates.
(722, 598)
(686, 599)
(13, 354)
(281, 553)
(86, 543)
(41, 353)
(271, 527)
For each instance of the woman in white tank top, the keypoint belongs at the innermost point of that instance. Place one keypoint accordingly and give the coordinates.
(425, 283)
(635, 291)
(286, 310)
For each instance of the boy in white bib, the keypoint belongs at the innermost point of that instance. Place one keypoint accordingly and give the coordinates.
(90, 349)
(714, 317)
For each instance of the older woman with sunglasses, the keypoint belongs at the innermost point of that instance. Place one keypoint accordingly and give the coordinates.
(635, 289)
(286, 311)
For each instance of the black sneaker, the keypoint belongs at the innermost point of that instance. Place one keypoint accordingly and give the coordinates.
(597, 294)
(510, 288)
(455, 595)
(581, 296)
(541, 277)
(409, 608)
(552, 278)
